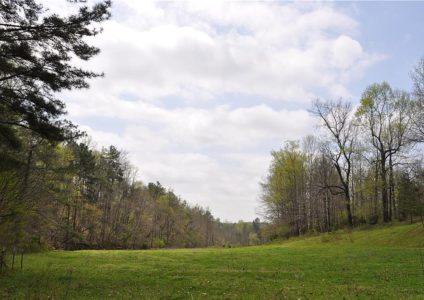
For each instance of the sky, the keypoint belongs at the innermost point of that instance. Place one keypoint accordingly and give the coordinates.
(199, 93)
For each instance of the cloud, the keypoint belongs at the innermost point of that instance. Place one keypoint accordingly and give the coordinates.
(200, 92)
(194, 50)
(212, 157)
(198, 127)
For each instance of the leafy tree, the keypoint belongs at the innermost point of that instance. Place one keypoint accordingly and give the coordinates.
(408, 196)
(256, 224)
(36, 50)
(84, 165)
(253, 239)
(284, 188)
(35, 64)
(386, 115)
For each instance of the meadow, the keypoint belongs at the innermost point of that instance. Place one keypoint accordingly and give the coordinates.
(378, 263)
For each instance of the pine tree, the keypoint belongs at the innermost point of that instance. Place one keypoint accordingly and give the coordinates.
(35, 63)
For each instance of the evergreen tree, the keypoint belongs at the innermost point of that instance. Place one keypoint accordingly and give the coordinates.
(35, 63)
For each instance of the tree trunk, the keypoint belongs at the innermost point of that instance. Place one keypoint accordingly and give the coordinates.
(384, 188)
(3, 265)
(348, 208)
(27, 170)
(68, 215)
(74, 219)
(377, 173)
(13, 258)
(392, 189)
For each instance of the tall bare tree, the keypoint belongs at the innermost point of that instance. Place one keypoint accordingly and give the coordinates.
(418, 120)
(337, 119)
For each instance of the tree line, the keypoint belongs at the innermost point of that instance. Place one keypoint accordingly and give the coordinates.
(364, 167)
(56, 191)
(70, 196)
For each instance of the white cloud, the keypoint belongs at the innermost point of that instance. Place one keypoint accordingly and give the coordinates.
(209, 156)
(177, 61)
(200, 50)
(234, 128)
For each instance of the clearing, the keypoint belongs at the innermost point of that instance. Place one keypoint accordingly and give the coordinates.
(377, 263)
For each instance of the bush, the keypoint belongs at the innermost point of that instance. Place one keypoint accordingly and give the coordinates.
(158, 243)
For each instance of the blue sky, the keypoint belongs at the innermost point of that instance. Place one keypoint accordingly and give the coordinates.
(198, 93)
(395, 29)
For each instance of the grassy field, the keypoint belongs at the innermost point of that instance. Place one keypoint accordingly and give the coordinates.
(383, 263)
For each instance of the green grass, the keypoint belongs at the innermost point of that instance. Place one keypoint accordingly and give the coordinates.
(381, 263)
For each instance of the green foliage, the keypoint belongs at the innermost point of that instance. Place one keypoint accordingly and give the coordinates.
(36, 50)
(70, 196)
(409, 195)
(158, 243)
(253, 239)
(285, 178)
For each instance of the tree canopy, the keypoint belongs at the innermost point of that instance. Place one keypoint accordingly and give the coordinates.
(37, 50)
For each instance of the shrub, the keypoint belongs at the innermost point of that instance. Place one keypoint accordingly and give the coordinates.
(158, 243)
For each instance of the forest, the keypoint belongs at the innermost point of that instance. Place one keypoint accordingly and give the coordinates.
(56, 190)
(365, 165)
(68, 196)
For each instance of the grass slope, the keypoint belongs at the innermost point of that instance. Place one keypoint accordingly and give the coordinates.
(382, 263)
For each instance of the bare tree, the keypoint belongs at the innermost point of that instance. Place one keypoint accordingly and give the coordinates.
(337, 119)
(418, 120)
